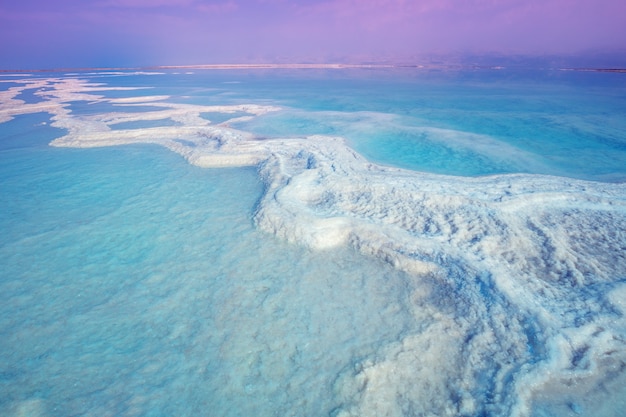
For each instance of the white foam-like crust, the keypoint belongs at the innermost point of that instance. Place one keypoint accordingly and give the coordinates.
(10, 106)
(517, 279)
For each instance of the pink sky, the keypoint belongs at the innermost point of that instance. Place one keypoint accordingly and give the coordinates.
(82, 33)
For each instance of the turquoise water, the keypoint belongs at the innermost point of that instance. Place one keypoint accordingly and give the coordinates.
(134, 283)
(386, 117)
(488, 122)
(313, 283)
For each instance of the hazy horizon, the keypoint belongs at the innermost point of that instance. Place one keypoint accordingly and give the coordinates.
(601, 61)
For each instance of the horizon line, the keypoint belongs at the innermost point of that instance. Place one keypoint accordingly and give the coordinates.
(229, 66)
(302, 66)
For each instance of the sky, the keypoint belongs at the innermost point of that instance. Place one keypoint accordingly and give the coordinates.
(128, 33)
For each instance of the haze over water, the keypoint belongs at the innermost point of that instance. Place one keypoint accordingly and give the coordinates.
(347, 242)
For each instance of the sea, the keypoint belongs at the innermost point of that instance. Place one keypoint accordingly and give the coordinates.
(342, 242)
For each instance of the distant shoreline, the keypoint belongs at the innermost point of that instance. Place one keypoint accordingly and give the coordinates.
(299, 66)
(622, 70)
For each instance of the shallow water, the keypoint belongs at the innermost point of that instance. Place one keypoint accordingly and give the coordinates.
(299, 278)
(146, 290)
(461, 124)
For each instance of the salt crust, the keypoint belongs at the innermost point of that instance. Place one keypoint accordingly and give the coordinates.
(530, 259)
